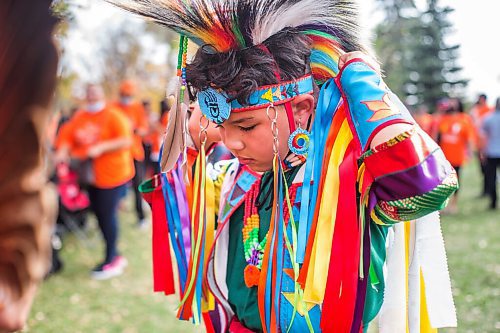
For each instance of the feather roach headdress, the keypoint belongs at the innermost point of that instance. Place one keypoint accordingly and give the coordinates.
(227, 25)
(331, 25)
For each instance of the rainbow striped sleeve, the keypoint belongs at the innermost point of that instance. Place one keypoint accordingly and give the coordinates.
(412, 178)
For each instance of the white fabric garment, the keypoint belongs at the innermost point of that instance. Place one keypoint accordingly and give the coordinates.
(392, 317)
(432, 256)
(427, 253)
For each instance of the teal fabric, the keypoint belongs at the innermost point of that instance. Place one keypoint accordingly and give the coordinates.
(243, 300)
(376, 287)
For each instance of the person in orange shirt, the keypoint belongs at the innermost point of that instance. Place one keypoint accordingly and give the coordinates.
(152, 141)
(481, 109)
(479, 112)
(165, 106)
(103, 136)
(136, 114)
(456, 138)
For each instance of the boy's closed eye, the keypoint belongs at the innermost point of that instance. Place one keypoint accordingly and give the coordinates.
(247, 128)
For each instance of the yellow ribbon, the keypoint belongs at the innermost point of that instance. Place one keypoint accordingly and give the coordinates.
(407, 268)
(199, 203)
(425, 323)
(315, 285)
(208, 303)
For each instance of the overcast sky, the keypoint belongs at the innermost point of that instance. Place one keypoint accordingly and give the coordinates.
(479, 55)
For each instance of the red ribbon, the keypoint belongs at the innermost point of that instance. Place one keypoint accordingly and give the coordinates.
(163, 276)
(341, 286)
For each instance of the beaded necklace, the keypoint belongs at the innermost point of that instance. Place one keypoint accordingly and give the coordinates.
(254, 250)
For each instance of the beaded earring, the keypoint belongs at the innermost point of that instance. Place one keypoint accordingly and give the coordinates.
(181, 64)
(298, 142)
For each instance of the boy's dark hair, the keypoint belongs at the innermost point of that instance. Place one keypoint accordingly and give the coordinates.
(241, 72)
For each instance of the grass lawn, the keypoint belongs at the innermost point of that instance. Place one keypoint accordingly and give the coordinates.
(71, 302)
(473, 245)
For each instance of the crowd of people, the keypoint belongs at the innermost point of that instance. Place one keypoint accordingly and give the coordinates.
(110, 146)
(463, 134)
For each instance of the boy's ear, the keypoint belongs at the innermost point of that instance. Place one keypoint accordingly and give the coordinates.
(303, 107)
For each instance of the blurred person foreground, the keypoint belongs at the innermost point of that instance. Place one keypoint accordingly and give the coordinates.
(28, 64)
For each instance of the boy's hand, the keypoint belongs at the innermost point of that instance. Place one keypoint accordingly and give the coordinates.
(346, 57)
(376, 113)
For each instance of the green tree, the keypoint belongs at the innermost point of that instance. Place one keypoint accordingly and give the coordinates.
(64, 10)
(125, 54)
(393, 42)
(434, 72)
(119, 53)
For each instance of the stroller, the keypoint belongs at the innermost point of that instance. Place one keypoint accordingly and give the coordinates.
(74, 202)
(74, 205)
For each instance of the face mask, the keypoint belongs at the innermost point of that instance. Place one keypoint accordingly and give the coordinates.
(126, 100)
(95, 107)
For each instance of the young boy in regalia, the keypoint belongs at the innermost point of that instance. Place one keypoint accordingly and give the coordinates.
(332, 179)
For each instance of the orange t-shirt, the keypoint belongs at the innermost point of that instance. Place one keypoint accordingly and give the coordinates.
(137, 116)
(86, 129)
(62, 136)
(156, 140)
(455, 133)
(480, 111)
(154, 136)
(164, 121)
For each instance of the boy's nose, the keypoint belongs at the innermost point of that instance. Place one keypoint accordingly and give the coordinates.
(232, 140)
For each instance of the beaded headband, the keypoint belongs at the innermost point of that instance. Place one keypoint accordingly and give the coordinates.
(217, 107)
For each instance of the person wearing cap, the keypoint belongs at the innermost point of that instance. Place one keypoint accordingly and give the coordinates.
(328, 163)
(100, 137)
(134, 111)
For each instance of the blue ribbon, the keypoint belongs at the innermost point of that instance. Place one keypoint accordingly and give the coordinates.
(328, 101)
(171, 217)
(280, 248)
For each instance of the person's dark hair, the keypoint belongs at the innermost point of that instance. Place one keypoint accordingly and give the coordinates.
(240, 72)
(497, 105)
(481, 97)
(459, 106)
(164, 106)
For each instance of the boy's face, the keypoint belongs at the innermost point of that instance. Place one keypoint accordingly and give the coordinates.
(249, 137)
